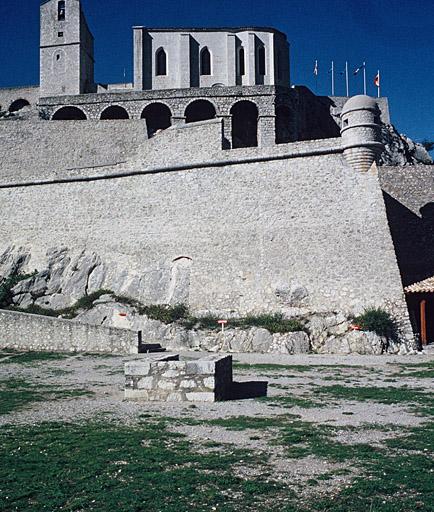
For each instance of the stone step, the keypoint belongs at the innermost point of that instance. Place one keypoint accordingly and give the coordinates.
(145, 348)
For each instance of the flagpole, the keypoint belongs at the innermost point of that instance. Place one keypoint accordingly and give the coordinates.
(364, 78)
(379, 84)
(333, 78)
(346, 79)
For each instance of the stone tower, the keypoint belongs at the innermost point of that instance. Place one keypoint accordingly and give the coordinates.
(66, 50)
(361, 132)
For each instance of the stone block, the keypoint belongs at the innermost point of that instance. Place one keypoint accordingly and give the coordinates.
(188, 384)
(200, 397)
(145, 383)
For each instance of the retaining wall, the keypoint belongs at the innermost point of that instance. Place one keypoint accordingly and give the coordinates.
(20, 331)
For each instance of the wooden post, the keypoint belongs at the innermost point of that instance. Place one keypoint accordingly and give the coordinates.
(423, 336)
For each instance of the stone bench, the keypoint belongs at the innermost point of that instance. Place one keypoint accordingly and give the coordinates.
(164, 378)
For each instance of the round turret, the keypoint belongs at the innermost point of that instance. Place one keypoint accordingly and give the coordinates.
(361, 132)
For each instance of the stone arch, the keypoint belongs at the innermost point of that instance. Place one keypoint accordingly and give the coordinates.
(205, 61)
(199, 110)
(180, 279)
(283, 124)
(59, 61)
(114, 112)
(158, 117)
(18, 105)
(244, 124)
(69, 114)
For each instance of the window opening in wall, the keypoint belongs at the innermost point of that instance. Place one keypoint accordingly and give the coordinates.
(261, 61)
(161, 62)
(244, 124)
(241, 62)
(59, 34)
(345, 122)
(205, 62)
(61, 11)
(58, 56)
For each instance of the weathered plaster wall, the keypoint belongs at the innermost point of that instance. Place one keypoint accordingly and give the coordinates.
(20, 331)
(39, 148)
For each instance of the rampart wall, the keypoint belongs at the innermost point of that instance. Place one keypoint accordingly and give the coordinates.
(238, 236)
(40, 148)
(20, 331)
(10, 94)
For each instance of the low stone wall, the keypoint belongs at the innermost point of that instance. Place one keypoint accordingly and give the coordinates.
(21, 331)
(160, 378)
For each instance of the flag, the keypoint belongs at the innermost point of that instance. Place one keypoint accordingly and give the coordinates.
(356, 71)
(377, 79)
(315, 69)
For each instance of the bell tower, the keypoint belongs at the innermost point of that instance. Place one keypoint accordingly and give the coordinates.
(66, 50)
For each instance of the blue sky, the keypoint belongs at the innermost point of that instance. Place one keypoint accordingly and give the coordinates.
(394, 36)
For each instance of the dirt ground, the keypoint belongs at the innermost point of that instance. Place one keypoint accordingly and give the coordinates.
(336, 393)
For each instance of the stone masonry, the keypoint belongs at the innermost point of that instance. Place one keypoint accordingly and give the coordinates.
(165, 378)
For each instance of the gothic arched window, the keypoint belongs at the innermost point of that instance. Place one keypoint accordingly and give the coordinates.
(261, 60)
(161, 62)
(241, 62)
(61, 10)
(205, 62)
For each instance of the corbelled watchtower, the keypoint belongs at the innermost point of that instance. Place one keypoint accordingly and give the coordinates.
(66, 49)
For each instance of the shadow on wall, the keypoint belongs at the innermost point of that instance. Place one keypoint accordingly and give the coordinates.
(315, 120)
(413, 237)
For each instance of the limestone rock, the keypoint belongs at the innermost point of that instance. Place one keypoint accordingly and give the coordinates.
(355, 342)
(290, 343)
(293, 294)
(13, 260)
(401, 150)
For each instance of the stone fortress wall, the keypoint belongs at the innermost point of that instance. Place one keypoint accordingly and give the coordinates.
(35, 149)
(250, 230)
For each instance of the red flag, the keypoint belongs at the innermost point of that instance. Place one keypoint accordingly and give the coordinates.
(377, 80)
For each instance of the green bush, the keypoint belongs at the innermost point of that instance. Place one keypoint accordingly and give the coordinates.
(379, 321)
(85, 303)
(7, 285)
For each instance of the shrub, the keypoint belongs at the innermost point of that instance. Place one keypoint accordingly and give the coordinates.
(379, 321)
(6, 286)
(275, 323)
(85, 303)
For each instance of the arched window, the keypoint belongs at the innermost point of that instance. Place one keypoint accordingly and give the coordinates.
(69, 114)
(61, 10)
(205, 62)
(114, 112)
(261, 61)
(241, 62)
(160, 62)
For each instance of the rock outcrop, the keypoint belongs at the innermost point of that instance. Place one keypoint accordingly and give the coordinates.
(71, 276)
(401, 150)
